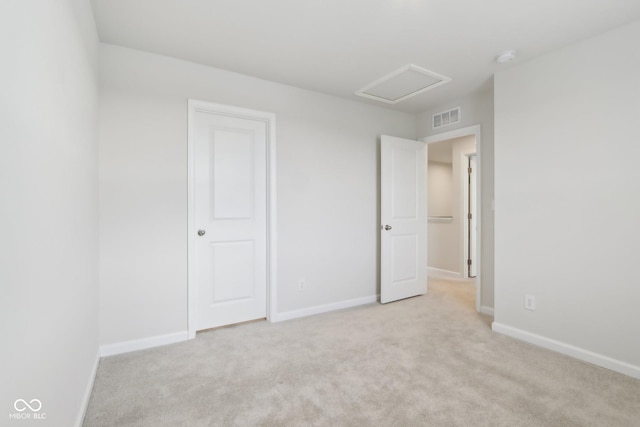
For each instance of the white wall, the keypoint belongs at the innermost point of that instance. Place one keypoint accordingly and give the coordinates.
(567, 207)
(327, 189)
(476, 108)
(49, 215)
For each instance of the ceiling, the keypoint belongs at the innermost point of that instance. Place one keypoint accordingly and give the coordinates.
(339, 46)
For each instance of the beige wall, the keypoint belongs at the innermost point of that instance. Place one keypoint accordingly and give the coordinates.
(441, 191)
(446, 194)
(443, 242)
(567, 211)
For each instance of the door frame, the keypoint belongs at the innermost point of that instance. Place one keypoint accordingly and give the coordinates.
(457, 133)
(465, 196)
(196, 106)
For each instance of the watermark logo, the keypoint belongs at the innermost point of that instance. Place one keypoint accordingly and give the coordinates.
(28, 410)
(21, 405)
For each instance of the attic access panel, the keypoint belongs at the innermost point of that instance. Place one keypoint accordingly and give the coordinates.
(403, 84)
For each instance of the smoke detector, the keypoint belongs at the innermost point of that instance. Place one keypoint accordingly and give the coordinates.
(506, 56)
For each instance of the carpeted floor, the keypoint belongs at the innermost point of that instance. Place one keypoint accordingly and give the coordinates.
(430, 360)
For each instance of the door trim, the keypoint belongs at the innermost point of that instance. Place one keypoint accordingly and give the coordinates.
(465, 229)
(195, 106)
(466, 131)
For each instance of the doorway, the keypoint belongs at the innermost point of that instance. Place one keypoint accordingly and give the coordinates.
(454, 206)
(231, 215)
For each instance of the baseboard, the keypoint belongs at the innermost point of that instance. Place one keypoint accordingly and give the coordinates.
(141, 344)
(294, 314)
(443, 274)
(486, 310)
(569, 350)
(87, 391)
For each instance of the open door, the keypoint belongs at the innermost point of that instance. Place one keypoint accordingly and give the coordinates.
(403, 198)
(472, 219)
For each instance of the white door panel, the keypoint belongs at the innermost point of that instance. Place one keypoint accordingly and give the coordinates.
(230, 210)
(231, 278)
(403, 178)
(403, 266)
(404, 249)
(473, 223)
(231, 172)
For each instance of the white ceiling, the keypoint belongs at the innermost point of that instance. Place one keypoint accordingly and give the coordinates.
(339, 46)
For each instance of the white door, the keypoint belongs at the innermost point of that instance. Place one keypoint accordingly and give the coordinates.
(473, 220)
(230, 196)
(403, 198)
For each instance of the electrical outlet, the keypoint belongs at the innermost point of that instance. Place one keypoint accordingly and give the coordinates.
(530, 302)
(301, 284)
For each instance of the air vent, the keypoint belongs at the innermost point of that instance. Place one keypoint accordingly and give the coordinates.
(402, 84)
(446, 118)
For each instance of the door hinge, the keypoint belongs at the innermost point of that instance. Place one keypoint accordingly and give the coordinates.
(468, 262)
(468, 216)
(469, 170)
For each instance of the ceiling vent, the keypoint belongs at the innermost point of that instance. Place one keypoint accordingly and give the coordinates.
(446, 118)
(402, 84)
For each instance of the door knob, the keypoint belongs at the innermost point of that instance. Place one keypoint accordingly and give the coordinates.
(387, 227)
(201, 232)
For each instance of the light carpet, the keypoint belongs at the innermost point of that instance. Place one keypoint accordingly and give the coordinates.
(429, 360)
